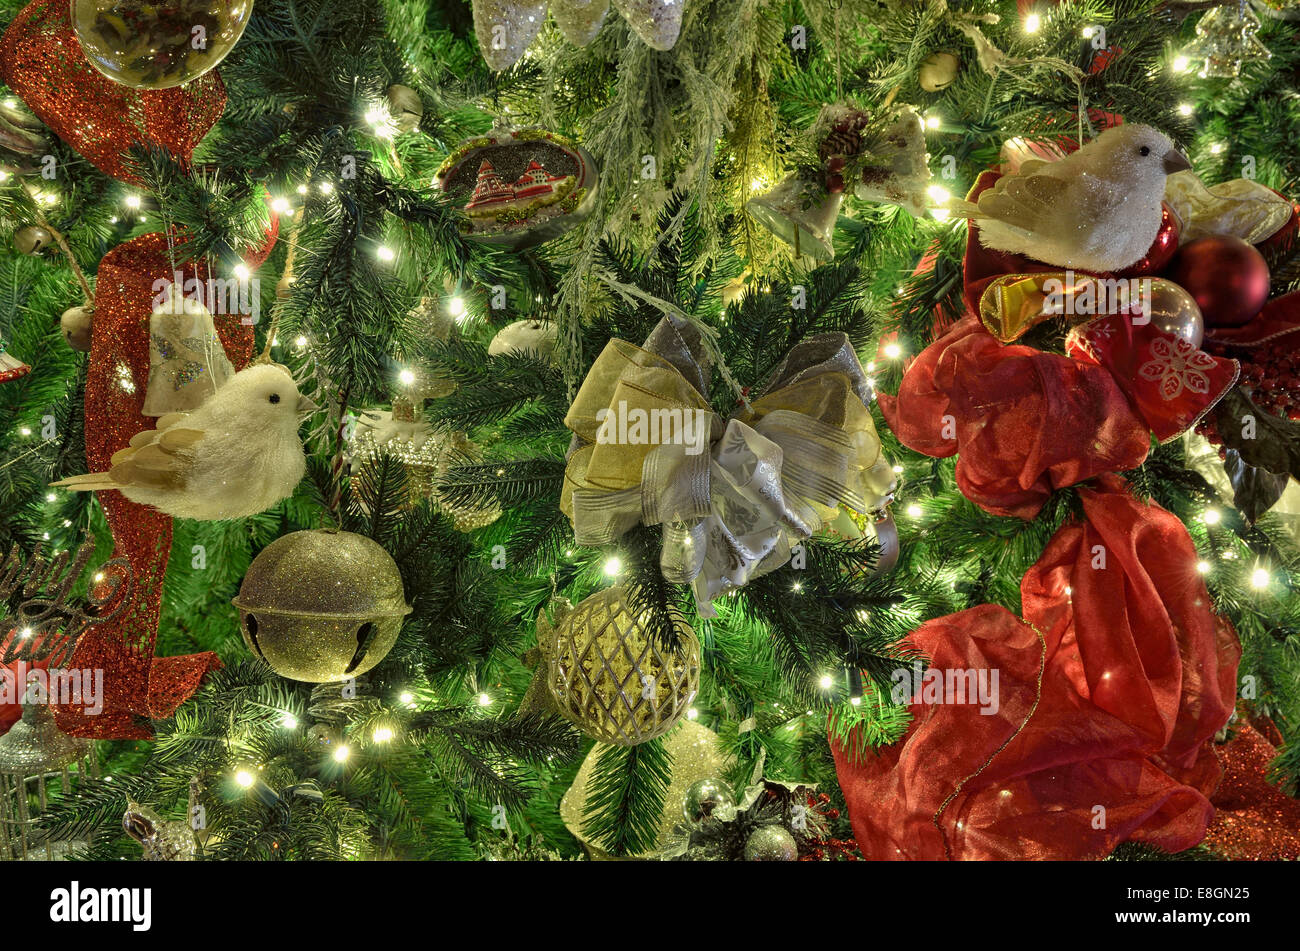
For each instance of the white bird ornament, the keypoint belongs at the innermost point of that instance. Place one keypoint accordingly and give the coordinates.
(1098, 209)
(234, 456)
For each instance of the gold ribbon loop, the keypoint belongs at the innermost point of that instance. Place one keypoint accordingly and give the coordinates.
(733, 496)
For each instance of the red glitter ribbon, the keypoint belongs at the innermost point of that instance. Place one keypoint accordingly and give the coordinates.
(1254, 820)
(43, 63)
(137, 685)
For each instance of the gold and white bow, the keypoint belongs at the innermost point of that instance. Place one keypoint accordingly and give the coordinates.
(735, 495)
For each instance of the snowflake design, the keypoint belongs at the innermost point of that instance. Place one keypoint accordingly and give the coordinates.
(1100, 330)
(1176, 366)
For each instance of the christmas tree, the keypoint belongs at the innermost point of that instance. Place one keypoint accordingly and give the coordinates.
(863, 429)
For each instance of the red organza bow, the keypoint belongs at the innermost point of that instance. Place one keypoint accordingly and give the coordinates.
(1108, 696)
(1025, 422)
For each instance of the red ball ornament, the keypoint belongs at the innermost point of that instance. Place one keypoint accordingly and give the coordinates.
(1227, 277)
(1161, 251)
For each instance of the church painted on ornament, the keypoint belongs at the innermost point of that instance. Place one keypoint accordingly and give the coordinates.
(492, 193)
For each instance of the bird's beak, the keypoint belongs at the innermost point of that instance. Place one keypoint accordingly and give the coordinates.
(306, 405)
(1176, 161)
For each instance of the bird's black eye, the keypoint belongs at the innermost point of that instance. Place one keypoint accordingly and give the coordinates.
(1145, 150)
(275, 397)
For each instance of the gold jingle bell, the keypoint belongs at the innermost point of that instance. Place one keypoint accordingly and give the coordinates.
(321, 606)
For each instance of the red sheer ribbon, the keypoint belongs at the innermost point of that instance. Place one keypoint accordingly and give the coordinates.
(1024, 422)
(1113, 743)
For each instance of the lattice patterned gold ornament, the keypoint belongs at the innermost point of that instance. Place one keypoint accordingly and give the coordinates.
(426, 454)
(607, 674)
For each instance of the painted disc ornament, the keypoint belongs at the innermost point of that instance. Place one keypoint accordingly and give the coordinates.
(1227, 277)
(321, 606)
(520, 188)
(156, 44)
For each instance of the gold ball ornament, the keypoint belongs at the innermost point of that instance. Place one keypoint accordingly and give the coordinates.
(77, 324)
(405, 106)
(771, 844)
(1175, 312)
(937, 71)
(695, 752)
(149, 45)
(32, 239)
(610, 677)
(321, 606)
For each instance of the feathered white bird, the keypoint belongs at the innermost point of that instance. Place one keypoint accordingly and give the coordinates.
(236, 455)
(1097, 209)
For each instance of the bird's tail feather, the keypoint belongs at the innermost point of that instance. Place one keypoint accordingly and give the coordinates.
(960, 208)
(91, 482)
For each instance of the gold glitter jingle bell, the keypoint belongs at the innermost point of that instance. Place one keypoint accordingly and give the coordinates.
(321, 606)
(607, 674)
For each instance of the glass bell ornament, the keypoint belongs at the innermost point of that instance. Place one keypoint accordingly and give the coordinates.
(800, 214)
(147, 44)
(1225, 38)
(186, 360)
